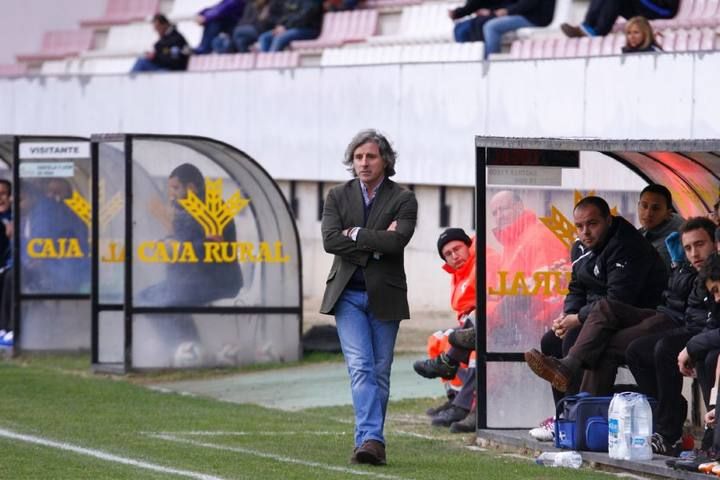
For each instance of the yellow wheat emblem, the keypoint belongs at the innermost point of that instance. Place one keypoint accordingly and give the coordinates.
(213, 214)
(559, 224)
(82, 208)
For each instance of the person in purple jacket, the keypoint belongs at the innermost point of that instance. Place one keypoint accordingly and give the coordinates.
(220, 18)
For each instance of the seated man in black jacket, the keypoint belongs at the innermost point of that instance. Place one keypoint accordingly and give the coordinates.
(170, 52)
(614, 262)
(601, 15)
(612, 325)
(300, 20)
(478, 12)
(519, 14)
(653, 358)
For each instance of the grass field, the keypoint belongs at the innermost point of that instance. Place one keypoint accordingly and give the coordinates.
(58, 421)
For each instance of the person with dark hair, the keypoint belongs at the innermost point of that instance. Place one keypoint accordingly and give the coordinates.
(658, 219)
(612, 325)
(602, 14)
(614, 262)
(298, 20)
(216, 20)
(366, 224)
(653, 357)
(189, 283)
(170, 52)
(259, 17)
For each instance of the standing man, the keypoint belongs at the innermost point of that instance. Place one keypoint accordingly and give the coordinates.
(366, 224)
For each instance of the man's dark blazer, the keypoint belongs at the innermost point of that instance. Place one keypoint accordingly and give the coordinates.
(384, 277)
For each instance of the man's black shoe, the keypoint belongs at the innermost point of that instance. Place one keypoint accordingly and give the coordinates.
(432, 411)
(466, 425)
(440, 366)
(447, 417)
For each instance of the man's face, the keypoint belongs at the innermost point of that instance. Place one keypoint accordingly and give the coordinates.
(652, 210)
(160, 28)
(698, 246)
(505, 209)
(591, 225)
(713, 287)
(176, 190)
(368, 164)
(4, 198)
(455, 253)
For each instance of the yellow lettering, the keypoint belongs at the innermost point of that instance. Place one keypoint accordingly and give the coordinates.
(188, 253)
(143, 253)
(229, 252)
(279, 257)
(540, 278)
(245, 250)
(32, 250)
(73, 250)
(212, 252)
(519, 287)
(265, 253)
(502, 282)
(161, 253)
(49, 250)
(113, 255)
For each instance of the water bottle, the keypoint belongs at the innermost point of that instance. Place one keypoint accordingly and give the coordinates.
(619, 426)
(640, 446)
(560, 459)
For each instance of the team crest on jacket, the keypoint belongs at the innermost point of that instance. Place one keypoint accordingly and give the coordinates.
(596, 271)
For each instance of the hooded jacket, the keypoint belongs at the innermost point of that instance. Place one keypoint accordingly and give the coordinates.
(625, 268)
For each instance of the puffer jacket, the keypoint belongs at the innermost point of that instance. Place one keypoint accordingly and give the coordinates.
(675, 297)
(625, 268)
(703, 316)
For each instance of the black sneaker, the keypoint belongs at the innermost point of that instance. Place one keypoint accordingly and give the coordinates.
(661, 446)
(432, 411)
(463, 338)
(447, 417)
(440, 366)
(466, 425)
(707, 440)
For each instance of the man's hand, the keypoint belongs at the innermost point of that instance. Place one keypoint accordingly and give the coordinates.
(483, 12)
(564, 323)
(279, 30)
(501, 12)
(685, 363)
(200, 20)
(149, 55)
(393, 226)
(451, 14)
(710, 418)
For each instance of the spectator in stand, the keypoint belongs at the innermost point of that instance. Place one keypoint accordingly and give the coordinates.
(520, 14)
(653, 358)
(259, 17)
(298, 20)
(470, 29)
(601, 15)
(658, 219)
(639, 36)
(170, 52)
(216, 20)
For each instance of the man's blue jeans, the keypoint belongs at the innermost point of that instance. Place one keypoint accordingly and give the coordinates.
(144, 65)
(494, 29)
(275, 43)
(367, 344)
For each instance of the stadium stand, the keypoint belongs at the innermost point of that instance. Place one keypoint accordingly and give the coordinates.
(13, 70)
(388, 4)
(426, 23)
(118, 12)
(339, 28)
(58, 44)
(186, 9)
(284, 59)
(231, 61)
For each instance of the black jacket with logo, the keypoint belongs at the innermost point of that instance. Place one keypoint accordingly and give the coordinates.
(171, 51)
(624, 268)
(676, 297)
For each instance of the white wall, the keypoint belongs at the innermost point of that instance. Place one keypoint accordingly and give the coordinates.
(23, 22)
(297, 122)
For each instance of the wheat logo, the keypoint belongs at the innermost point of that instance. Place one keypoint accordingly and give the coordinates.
(213, 214)
(561, 226)
(82, 208)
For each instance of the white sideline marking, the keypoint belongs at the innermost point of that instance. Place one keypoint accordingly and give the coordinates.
(277, 458)
(210, 433)
(104, 456)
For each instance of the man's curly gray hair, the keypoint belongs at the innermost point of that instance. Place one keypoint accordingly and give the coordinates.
(386, 151)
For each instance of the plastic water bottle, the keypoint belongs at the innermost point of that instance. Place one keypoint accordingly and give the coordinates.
(560, 459)
(619, 427)
(640, 447)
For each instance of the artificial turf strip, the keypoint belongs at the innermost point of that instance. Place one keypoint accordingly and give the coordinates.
(120, 418)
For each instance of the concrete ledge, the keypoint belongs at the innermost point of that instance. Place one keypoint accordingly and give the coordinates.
(520, 440)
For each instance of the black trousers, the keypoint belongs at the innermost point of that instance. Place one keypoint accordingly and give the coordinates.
(653, 362)
(601, 14)
(556, 347)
